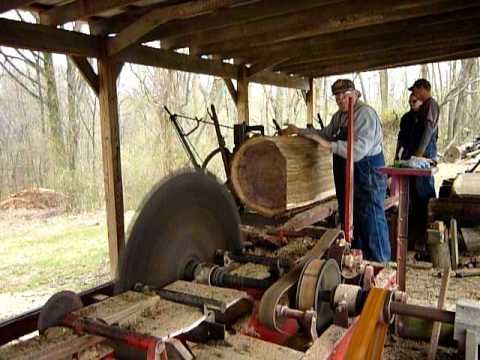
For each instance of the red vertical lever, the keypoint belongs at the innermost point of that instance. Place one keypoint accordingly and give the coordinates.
(348, 223)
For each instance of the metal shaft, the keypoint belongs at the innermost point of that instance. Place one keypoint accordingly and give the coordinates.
(276, 262)
(150, 344)
(220, 277)
(422, 312)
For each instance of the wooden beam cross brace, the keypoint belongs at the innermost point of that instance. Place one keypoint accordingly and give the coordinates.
(87, 72)
(310, 96)
(147, 23)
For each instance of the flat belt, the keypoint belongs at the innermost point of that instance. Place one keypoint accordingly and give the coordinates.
(273, 295)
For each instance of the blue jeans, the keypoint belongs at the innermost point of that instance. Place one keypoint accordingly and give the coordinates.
(370, 230)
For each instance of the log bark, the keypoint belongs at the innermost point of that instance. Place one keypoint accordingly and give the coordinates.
(274, 174)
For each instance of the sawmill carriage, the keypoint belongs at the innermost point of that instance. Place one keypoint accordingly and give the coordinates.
(183, 287)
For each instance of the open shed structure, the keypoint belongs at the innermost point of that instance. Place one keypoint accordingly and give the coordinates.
(276, 42)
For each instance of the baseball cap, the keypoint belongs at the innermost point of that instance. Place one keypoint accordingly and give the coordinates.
(420, 83)
(342, 85)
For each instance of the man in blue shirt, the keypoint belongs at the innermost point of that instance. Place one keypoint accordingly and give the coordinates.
(369, 224)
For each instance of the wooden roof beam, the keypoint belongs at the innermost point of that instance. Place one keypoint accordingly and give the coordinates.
(444, 53)
(23, 35)
(383, 35)
(80, 9)
(7, 5)
(182, 31)
(145, 24)
(387, 43)
(345, 16)
(149, 56)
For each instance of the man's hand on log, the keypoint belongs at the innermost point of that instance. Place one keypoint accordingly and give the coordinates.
(291, 130)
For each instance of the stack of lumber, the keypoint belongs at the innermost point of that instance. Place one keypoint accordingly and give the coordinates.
(271, 175)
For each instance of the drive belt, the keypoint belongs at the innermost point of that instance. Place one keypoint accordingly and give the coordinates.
(271, 298)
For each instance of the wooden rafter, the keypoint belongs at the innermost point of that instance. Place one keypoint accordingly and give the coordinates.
(7, 5)
(87, 72)
(169, 60)
(134, 32)
(180, 33)
(381, 36)
(387, 54)
(318, 21)
(443, 53)
(267, 64)
(80, 9)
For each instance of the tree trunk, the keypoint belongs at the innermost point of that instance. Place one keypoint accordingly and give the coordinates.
(384, 90)
(54, 122)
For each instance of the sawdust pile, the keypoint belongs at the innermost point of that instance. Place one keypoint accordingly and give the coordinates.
(35, 198)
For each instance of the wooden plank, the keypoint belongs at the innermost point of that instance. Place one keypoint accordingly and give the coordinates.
(112, 169)
(61, 343)
(168, 319)
(240, 347)
(471, 238)
(87, 72)
(467, 185)
(227, 297)
(121, 309)
(134, 32)
(45, 38)
(145, 55)
(326, 19)
(80, 9)
(7, 5)
(472, 340)
(437, 326)
(242, 96)
(323, 347)
(311, 216)
(466, 210)
(267, 64)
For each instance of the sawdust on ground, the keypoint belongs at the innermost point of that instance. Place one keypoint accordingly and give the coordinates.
(403, 349)
(35, 198)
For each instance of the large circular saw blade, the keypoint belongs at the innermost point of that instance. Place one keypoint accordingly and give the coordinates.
(185, 217)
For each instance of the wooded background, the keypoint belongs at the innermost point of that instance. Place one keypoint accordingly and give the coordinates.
(50, 130)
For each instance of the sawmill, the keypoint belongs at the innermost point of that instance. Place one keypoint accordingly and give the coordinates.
(259, 266)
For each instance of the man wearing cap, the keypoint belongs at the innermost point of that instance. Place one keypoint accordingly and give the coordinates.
(369, 223)
(423, 143)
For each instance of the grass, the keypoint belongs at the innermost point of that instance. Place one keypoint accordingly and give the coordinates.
(62, 252)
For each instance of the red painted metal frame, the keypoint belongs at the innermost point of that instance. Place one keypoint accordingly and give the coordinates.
(24, 324)
(400, 186)
(348, 222)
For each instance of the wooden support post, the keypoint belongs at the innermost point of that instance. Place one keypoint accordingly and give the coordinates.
(107, 72)
(242, 96)
(310, 102)
(231, 89)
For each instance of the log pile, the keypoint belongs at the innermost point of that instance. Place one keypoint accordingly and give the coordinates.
(469, 150)
(271, 175)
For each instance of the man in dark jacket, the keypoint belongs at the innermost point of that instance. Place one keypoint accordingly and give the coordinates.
(422, 134)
